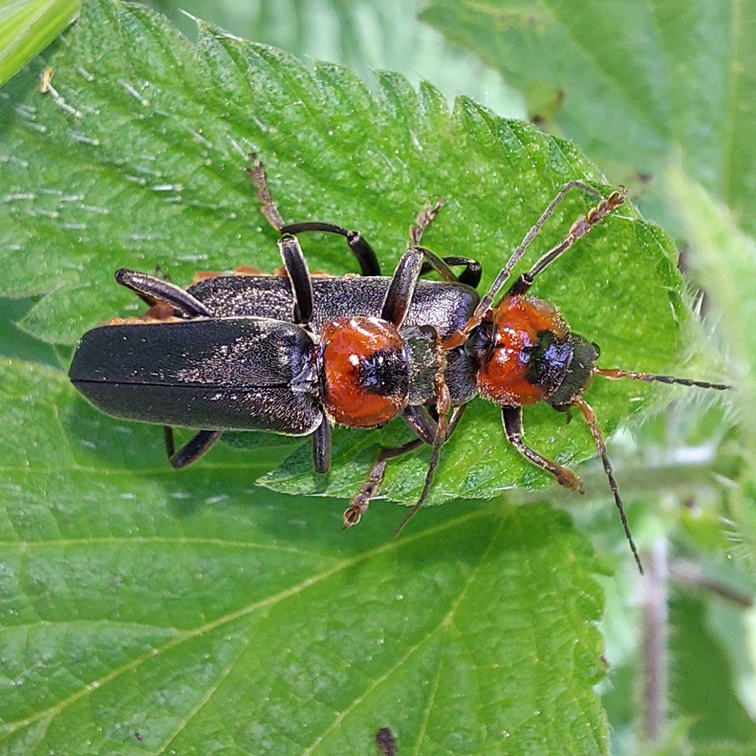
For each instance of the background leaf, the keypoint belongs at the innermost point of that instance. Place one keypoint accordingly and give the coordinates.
(662, 94)
(27, 27)
(637, 84)
(364, 35)
(139, 607)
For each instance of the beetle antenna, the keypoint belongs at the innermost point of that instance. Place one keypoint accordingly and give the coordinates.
(614, 373)
(579, 229)
(590, 418)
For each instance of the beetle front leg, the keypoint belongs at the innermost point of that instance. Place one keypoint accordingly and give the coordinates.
(512, 417)
(153, 290)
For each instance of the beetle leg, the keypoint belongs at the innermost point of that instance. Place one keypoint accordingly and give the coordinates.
(442, 407)
(369, 265)
(170, 441)
(410, 267)
(153, 290)
(421, 421)
(395, 306)
(299, 276)
(512, 417)
(402, 286)
(441, 265)
(454, 418)
(361, 249)
(579, 229)
(321, 447)
(424, 218)
(291, 252)
(260, 179)
(404, 281)
(470, 275)
(424, 424)
(360, 503)
(193, 449)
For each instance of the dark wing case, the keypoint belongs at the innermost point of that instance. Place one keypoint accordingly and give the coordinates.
(241, 373)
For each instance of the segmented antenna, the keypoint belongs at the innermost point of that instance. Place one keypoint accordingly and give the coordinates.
(590, 418)
(614, 373)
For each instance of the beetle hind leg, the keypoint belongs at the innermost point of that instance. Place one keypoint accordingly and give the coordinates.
(196, 447)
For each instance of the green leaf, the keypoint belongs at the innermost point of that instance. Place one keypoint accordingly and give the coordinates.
(364, 35)
(696, 660)
(27, 27)
(139, 161)
(15, 343)
(145, 609)
(723, 258)
(636, 83)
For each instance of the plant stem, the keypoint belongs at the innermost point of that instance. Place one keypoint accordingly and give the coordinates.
(654, 612)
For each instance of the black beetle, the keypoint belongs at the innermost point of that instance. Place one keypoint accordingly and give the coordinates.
(293, 354)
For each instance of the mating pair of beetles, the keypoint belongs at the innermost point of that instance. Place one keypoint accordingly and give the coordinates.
(296, 354)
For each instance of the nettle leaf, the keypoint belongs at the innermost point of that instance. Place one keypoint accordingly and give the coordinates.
(145, 609)
(636, 83)
(138, 160)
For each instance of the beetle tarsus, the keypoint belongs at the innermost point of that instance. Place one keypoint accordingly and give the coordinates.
(424, 218)
(259, 178)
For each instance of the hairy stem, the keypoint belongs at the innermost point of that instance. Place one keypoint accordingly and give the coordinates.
(655, 617)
